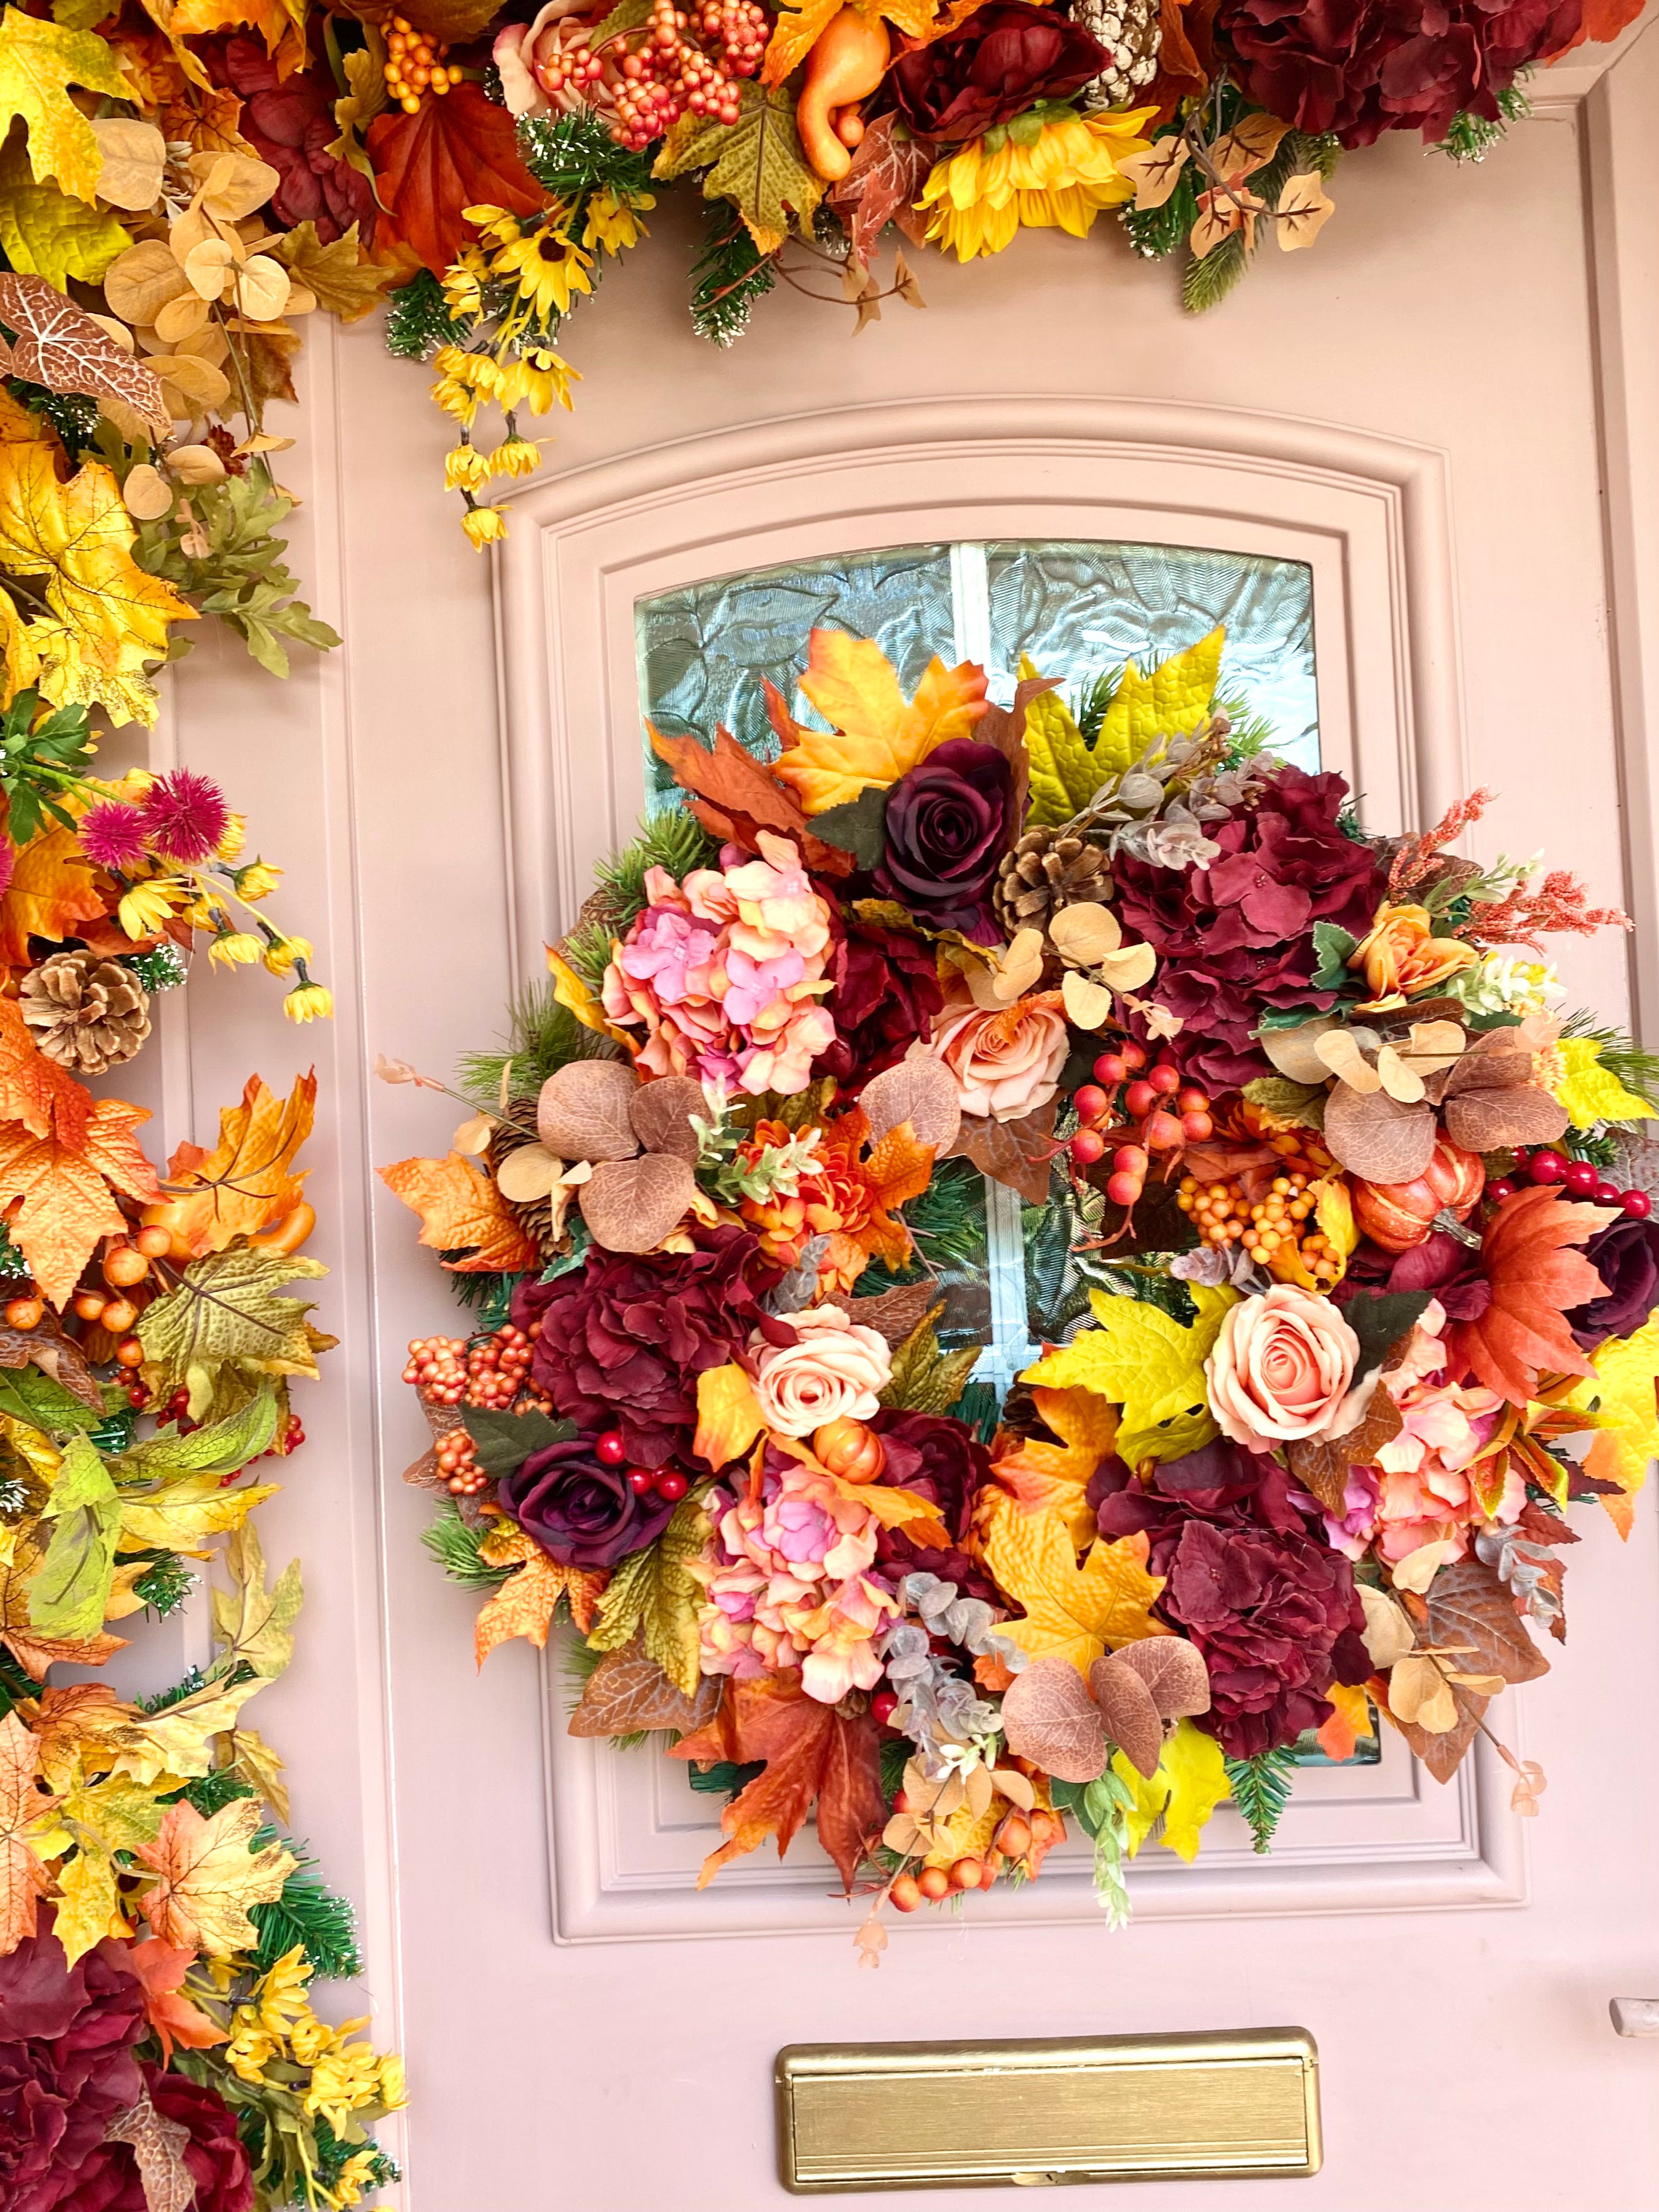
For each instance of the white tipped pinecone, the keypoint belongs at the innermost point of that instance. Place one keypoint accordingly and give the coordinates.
(1131, 32)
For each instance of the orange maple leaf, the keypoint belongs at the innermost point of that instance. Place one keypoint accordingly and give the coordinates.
(462, 1210)
(526, 1601)
(811, 1754)
(23, 1878)
(67, 1202)
(51, 889)
(860, 1213)
(160, 1969)
(1038, 1475)
(1536, 1280)
(246, 1182)
(34, 1090)
(878, 737)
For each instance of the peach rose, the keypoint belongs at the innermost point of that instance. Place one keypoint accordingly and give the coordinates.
(1281, 1366)
(1006, 1062)
(837, 1371)
(1402, 957)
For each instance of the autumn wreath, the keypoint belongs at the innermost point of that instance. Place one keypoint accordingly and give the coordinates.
(1335, 1245)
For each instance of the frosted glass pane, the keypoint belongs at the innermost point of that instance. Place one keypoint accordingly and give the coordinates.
(1078, 607)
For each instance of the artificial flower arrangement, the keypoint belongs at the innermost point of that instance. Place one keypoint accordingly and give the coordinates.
(160, 1934)
(187, 187)
(1341, 1253)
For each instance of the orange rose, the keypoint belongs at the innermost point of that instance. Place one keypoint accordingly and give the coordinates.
(1007, 1063)
(1402, 957)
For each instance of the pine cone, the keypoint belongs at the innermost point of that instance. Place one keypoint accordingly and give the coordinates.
(86, 1012)
(1131, 31)
(513, 1129)
(1047, 871)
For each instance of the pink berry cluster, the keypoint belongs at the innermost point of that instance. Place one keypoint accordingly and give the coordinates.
(1149, 1108)
(1581, 1178)
(680, 61)
(667, 1482)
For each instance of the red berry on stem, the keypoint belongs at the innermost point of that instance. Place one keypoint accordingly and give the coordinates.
(1131, 1159)
(1090, 1102)
(884, 1706)
(1110, 1069)
(1196, 1127)
(1164, 1133)
(1581, 1178)
(671, 1487)
(1140, 1098)
(1164, 1077)
(905, 1894)
(641, 1478)
(609, 1450)
(1547, 1166)
(1087, 1146)
(1607, 1194)
(1134, 1055)
(1123, 1189)
(1498, 1191)
(1637, 1204)
(1194, 1101)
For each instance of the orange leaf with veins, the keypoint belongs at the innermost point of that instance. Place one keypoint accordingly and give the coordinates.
(1040, 1476)
(1536, 1278)
(878, 737)
(462, 1210)
(160, 1969)
(51, 889)
(526, 1601)
(248, 1180)
(24, 1879)
(66, 1201)
(34, 1090)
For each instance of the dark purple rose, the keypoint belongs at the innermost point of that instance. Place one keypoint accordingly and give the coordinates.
(1250, 1579)
(289, 123)
(621, 1341)
(1626, 1256)
(949, 822)
(885, 993)
(217, 2163)
(1362, 67)
(66, 2065)
(944, 1462)
(1235, 938)
(582, 1513)
(1002, 60)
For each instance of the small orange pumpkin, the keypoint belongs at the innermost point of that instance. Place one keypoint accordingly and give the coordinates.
(849, 1449)
(1398, 1215)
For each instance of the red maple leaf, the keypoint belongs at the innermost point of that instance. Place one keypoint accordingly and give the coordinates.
(454, 153)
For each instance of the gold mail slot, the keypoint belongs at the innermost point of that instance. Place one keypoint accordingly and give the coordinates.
(1059, 2109)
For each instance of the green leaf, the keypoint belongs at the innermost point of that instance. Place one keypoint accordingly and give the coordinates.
(755, 162)
(253, 1625)
(654, 1593)
(503, 1442)
(926, 1380)
(1298, 1103)
(1146, 1362)
(1379, 1319)
(46, 233)
(225, 1325)
(858, 825)
(68, 1595)
(28, 1396)
(217, 1448)
(1332, 945)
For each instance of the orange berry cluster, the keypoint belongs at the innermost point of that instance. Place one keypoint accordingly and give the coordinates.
(437, 1364)
(666, 75)
(1265, 1227)
(413, 65)
(496, 1368)
(490, 1371)
(1014, 1838)
(458, 1462)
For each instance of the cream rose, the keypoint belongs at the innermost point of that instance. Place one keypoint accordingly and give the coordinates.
(835, 1372)
(1007, 1062)
(1281, 1367)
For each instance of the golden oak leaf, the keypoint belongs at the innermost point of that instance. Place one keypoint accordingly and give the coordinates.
(51, 889)
(877, 738)
(38, 62)
(34, 1090)
(20, 664)
(811, 1754)
(66, 1201)
(526, 1601)
(1042, 1476)
(461, 1210)
(108, 617)
(208, 1875)
(24, 1879)
(161, 1969)
(1071, 1612)
(32, 1649)
(1170, 702)
(248, 1180)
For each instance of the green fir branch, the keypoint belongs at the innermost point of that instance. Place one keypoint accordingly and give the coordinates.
(542, 1036)
(1634, 1066)
(1205, 283)
(455, 1544)
(1260, 1789)
(571, 155)
(727, 277)
(308, 1913)
(418, 320)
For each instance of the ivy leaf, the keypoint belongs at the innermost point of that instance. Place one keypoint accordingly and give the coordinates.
(462, 1212)
(627, 1691)
(888, 171)
(1150, 1366)
(878, 737)
(68, 1596)
(226, 1320)
(1069, 1612)
(1591, 1092)
(1191, 1781)
(858, 825)
(503, 1442)
(208, 1875)
(1170, 702)
(755, 162)
(1332, 945)
(1019, 1154)
(38, 62)
(246, 1182)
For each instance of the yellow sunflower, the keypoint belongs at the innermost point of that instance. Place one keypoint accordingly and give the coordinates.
(547, 266)
(1059, 178)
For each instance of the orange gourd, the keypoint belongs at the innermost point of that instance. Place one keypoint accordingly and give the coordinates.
(1398, 1215)
(849, 1449)
(848, 62)
(288, 1234)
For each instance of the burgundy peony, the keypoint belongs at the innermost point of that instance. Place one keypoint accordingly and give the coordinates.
(621, 1341)
(1626, 1256)
(884, 995)
(66, 2066)
(1362, 67)
(582, 1513)
(944, 1462)
(289, 123)
(217, 2163)
(1252, 1581)
(1002, 60)
(1235, 938)
(949, 822)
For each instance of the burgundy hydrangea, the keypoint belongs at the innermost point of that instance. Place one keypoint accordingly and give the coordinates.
(217, 2163)
(66, 2065)
(944, 1462)
(581, 1512)
(1235, 938)
(620, 1341)
(949, 822)
(1002, 60)
(1250, 1579)
(1626, 1256)
(289, 123)
(1362, 67)
(885, 994)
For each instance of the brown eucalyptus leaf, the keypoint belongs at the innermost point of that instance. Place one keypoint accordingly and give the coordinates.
(1487, 1120)
(1321, 1464)
(1177, 1679)
(920, 1091)
(1127, 1707)
(1376, 1138)
(1049, 1718)
(1442, 1753)
(895, 1314)
(629, 1691)
(1473, 1613)
(660, 1113)
(583, 1113)
(1017, 1154)
(629, 1206)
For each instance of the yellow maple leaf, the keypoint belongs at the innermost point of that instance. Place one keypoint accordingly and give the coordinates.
(1169, 703)
(462, 1210)
(38, 62)
(526, 1601)
(1188, 1783)
(86, 1909)
(1149, 1364)
(208, 1875)
(1065, 773)
(23, 1878)
(46, 233)
(246, 1182)
(65, 1189)
(1040, 1475)
(20, 664)
(1593, 1093)
(729, 1417)
(1071, 1612)
(877, 738)
(108, 617)
(177, 1514)
(794, 34)
(1622, 1391)
(51, 890)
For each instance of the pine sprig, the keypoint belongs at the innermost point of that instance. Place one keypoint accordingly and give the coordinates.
(1262, 1789)
(1635, 1068)
(570, 156)
(542, 1036)
(1205, 283)
(727, 277)
(418, 320)
(1472, 137)
(308, 1913)
(165, 1585)
(674, 841)
(456, 1545)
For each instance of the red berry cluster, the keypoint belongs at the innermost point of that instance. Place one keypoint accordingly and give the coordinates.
(1152, 1111)
(1580, 1178)
(667, 1482)
(669, 73)
(457, 1463)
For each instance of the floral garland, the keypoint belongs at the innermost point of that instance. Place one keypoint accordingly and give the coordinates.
(160, 1933)
(178, 200)
(1340, 1249)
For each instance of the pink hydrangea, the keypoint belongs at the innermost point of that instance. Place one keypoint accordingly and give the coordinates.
(786, 1585)
(723, 972)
